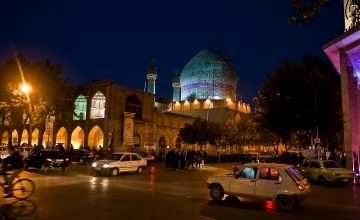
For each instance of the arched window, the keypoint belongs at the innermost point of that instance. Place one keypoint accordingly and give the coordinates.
(134, 105)
(162, 142)
(80, 108)
(98, 106)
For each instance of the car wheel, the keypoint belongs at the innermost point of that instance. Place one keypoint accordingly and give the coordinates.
(286, 202)
(44, 168)
(81, 161)
(216, 192)
(321, 180)
(139, 170)
(114, 172)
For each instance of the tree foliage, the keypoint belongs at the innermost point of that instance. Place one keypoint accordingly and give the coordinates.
(301, 99)
(305, 10)
(48, 92)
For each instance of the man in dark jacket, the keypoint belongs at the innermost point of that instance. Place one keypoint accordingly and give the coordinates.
(15, 163)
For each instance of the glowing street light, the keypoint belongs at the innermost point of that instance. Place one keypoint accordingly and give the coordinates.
(208, 102)
(26, 88)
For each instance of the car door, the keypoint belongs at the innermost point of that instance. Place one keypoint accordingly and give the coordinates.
(268, 183)
(125, 163)
(304, 170)
(244, 181)
(315, 170)
(135, 162)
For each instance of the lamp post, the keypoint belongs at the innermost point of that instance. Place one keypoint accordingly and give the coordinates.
(26, 88)
(208, 102)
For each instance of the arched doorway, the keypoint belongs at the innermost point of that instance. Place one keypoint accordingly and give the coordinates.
(15, 137)
(5, 137)
(35, 137)
(62, 137)
(96, 138)
(77, 138)
(24, 137)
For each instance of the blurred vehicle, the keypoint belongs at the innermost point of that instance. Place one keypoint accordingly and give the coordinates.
(45, 159)
(145, 155)
(25, 150)
(325, 171)
(82, 156)
(4, 151)
(120, 162)
(280, 183)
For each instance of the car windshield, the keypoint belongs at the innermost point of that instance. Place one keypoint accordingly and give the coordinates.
(114, 157)
(295, 174)
(331, 164)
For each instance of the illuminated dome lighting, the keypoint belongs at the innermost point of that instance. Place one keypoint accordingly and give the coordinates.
(208, 74)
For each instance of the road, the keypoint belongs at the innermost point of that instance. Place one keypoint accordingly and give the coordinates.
(162, 193)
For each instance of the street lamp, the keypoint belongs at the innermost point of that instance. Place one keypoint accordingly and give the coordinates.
(208, 102)
(26, 88)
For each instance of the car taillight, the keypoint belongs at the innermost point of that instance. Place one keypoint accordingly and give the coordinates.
(299, 186)
(48, 159)
(67, 159)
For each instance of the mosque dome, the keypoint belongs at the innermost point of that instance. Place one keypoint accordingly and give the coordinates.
(208, 74)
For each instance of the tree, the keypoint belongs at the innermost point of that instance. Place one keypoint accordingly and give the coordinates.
(305, 9)
(301, 99)
(200, 132)
(49, 92)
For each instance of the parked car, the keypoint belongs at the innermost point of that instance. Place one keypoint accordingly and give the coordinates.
(45, 159)
(145, 155)
(82, 156)
(280, 183)
(4, 152)
(325, 171)
(120, 162)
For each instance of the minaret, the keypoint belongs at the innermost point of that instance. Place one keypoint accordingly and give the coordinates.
(176, 85)
(151, 76)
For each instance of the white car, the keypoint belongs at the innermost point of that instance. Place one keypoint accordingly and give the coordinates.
(280, 183)
(120, 162)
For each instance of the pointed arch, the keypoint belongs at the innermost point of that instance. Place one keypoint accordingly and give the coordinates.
(98, 106)
(77, 138)
(96, 138)
(15, 137)
(80, 108)
(134, 105)
(24, 137)
(5, 137)
(162, 142)
(62, 137)
(35, 136)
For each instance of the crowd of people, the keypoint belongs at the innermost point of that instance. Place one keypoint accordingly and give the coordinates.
(181, 159)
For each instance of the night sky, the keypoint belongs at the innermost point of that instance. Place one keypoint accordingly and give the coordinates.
(114, 39)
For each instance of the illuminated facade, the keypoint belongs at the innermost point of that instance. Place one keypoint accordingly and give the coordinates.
(106, 115)
(344, 53)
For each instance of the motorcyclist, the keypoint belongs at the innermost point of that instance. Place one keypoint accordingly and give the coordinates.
(15, 163)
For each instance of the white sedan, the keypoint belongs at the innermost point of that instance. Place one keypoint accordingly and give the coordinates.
(268, 181)
(120, 162)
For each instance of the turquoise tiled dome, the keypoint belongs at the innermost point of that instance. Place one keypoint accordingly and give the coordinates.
(208, 74)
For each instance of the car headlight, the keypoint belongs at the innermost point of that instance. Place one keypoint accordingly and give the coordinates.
(106, 165)
(94, 165)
